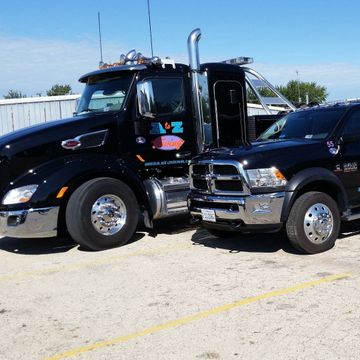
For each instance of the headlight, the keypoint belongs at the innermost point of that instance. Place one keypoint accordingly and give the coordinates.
(19, 195)
(269, 177)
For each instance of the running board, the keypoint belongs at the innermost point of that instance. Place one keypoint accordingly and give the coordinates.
(351, 217)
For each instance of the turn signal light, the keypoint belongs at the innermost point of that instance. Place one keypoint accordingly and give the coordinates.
(62, 192)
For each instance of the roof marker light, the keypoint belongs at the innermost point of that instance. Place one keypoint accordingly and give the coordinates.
(133, 58)
(242, 60)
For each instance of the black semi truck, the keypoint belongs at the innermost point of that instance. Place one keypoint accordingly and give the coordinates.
(302, 174)
(126, 151)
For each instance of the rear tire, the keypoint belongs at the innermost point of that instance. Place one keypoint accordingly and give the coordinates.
(313, 224)
(102, 213)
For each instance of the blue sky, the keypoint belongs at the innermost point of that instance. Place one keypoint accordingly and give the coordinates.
(43, 42)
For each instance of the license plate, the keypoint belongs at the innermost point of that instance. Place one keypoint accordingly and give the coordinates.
(208, 215)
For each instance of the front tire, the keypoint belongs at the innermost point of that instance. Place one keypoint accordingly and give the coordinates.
(102, 213)
(313, 224)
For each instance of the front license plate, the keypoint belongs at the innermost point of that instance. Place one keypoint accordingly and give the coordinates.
(208, 215)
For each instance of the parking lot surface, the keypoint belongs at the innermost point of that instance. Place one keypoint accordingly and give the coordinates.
(180, 293)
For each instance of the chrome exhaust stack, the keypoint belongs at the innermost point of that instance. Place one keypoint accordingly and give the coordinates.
(193, 49)
(194, 63)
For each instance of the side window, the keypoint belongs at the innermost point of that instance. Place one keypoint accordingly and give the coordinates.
(160, 96)
(352, 126)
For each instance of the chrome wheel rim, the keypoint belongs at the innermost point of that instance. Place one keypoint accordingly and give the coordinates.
(318, 223)
(108, 214)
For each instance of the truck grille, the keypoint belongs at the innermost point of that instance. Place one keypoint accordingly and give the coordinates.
(216, 178)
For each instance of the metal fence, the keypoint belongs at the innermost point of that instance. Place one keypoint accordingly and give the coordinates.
(19, 113)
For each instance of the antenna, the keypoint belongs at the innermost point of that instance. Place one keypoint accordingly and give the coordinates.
(101, 63)
(149, 16)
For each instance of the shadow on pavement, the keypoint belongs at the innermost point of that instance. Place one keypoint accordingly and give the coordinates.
(262, 242)
(37, 246)
(266, 242)
(171, 226)
(350, 228)
(65, 243)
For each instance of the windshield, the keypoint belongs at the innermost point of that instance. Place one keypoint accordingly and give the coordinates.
(104, 94)
(306, 124)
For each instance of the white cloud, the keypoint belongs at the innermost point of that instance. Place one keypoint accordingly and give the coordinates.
(34, 65)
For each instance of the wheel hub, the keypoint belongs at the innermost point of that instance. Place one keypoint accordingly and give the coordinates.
(318, 223)
(108, 214)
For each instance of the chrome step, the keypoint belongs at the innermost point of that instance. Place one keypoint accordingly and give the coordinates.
(351, 217)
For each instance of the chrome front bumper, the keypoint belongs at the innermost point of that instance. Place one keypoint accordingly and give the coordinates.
(259, 209)
(32, 223)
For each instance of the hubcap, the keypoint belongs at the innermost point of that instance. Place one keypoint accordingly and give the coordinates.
(318, 223)
(108, 214)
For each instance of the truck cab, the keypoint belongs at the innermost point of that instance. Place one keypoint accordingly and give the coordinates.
(302, 174)
(125, 152)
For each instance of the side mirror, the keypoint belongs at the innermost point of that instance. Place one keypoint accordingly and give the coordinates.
(146, 101)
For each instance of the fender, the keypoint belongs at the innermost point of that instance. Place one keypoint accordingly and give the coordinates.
(310, 176)
(74, 171)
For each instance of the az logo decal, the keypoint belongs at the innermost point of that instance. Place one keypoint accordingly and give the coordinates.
(175, 127)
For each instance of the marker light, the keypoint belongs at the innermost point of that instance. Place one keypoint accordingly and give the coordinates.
(62, 192)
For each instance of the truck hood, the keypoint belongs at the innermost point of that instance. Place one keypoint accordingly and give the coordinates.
(283, 154)
(44, 133)
(27, 148)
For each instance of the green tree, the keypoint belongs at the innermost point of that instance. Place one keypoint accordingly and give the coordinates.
(14, 94)
(59, 90)
(293, 88)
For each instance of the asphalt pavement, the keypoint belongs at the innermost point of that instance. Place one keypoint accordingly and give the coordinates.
(180, 293)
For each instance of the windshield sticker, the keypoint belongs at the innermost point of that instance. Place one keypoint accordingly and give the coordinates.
(333, 150)
(168, 143)
(350, 167)
(174, 127)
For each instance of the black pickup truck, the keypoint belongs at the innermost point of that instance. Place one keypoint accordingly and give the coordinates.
(302, 174)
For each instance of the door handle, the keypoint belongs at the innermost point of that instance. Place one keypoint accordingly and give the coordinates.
(184, 154)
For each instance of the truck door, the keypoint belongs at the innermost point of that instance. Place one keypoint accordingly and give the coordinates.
(230, 118)
(348, 164)
(165, 129)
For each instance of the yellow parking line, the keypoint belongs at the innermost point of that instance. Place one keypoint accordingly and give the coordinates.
(197, 316)
(97, 262)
